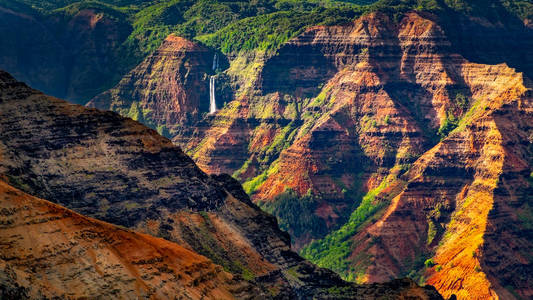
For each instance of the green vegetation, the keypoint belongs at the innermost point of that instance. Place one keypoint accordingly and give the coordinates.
(449, 124)
(429, 263)
(269, 32)
(296, 214)
(332, 251)
(251, 186)
(432, 231)
(386, 120)
(281, 141)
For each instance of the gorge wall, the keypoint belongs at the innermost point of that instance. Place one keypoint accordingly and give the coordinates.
(73, 54)
(178, 218)
(398, 152)
(167, 91)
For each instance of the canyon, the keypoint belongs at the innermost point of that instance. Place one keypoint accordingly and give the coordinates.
(390, 140)
(387, 150)
(176, 230)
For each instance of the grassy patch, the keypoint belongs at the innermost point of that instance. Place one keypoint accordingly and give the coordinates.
(332, 251)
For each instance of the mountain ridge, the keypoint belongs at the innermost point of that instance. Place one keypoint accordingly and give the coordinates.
(119, 171)
(389, 140)
(323, 133)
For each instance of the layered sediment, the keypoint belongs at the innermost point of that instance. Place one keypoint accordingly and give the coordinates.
(114, 169)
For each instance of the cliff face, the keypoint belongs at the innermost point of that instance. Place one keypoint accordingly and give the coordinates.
(49, 251)
(168, 90)
(73, 56)
(341, 120)
(115, 169)
(461, 195)
(464, 204)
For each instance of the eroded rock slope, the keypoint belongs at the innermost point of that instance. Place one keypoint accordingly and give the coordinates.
(117, 170)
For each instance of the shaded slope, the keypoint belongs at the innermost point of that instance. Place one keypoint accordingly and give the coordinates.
(115, 169)
(49, 251)
(168, 90)
(77, 50)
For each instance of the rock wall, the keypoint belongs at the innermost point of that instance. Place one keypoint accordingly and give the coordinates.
(168, 90)
(117, 170)
(340, 110)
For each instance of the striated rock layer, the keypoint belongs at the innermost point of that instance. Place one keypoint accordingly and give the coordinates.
(168, 90)
(463, 206)
(49, 251)
(359, 118)
(115, 169)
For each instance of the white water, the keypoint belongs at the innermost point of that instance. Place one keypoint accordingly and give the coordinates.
(212, 100)
(215, 62)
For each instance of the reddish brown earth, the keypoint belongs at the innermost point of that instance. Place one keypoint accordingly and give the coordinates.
(340, 112)
(114, 169)
(387, 89)
(471, 189)
(49, 251)
(168, 90)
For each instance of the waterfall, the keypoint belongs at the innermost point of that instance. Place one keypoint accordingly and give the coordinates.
(215, 62)
(212, 100)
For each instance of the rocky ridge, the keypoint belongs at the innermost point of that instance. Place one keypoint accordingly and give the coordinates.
(168, 90)
(49, 251)
(354, 108)
(115, 169)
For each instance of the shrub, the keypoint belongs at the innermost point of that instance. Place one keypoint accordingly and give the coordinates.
(448, 126)
(429, 263)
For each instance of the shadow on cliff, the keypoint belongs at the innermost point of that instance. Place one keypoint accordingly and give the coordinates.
(407, 95)
(508, 264)
(491, 36)
(296, 71)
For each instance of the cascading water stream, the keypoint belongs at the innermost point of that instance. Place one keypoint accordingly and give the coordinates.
(212, 100)
(215, 62)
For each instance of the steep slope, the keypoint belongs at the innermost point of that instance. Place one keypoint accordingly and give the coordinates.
(459, 198)
(46, 53)
(331, 114)
(71, 54)
(463, 209)
(168, 90)
(115, 169)
(49, 251)
(341, 113)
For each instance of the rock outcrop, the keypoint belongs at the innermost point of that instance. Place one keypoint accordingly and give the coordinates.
(461, 195)
(49, 251)
(341, 119)
(168, 90)
(115, 169)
